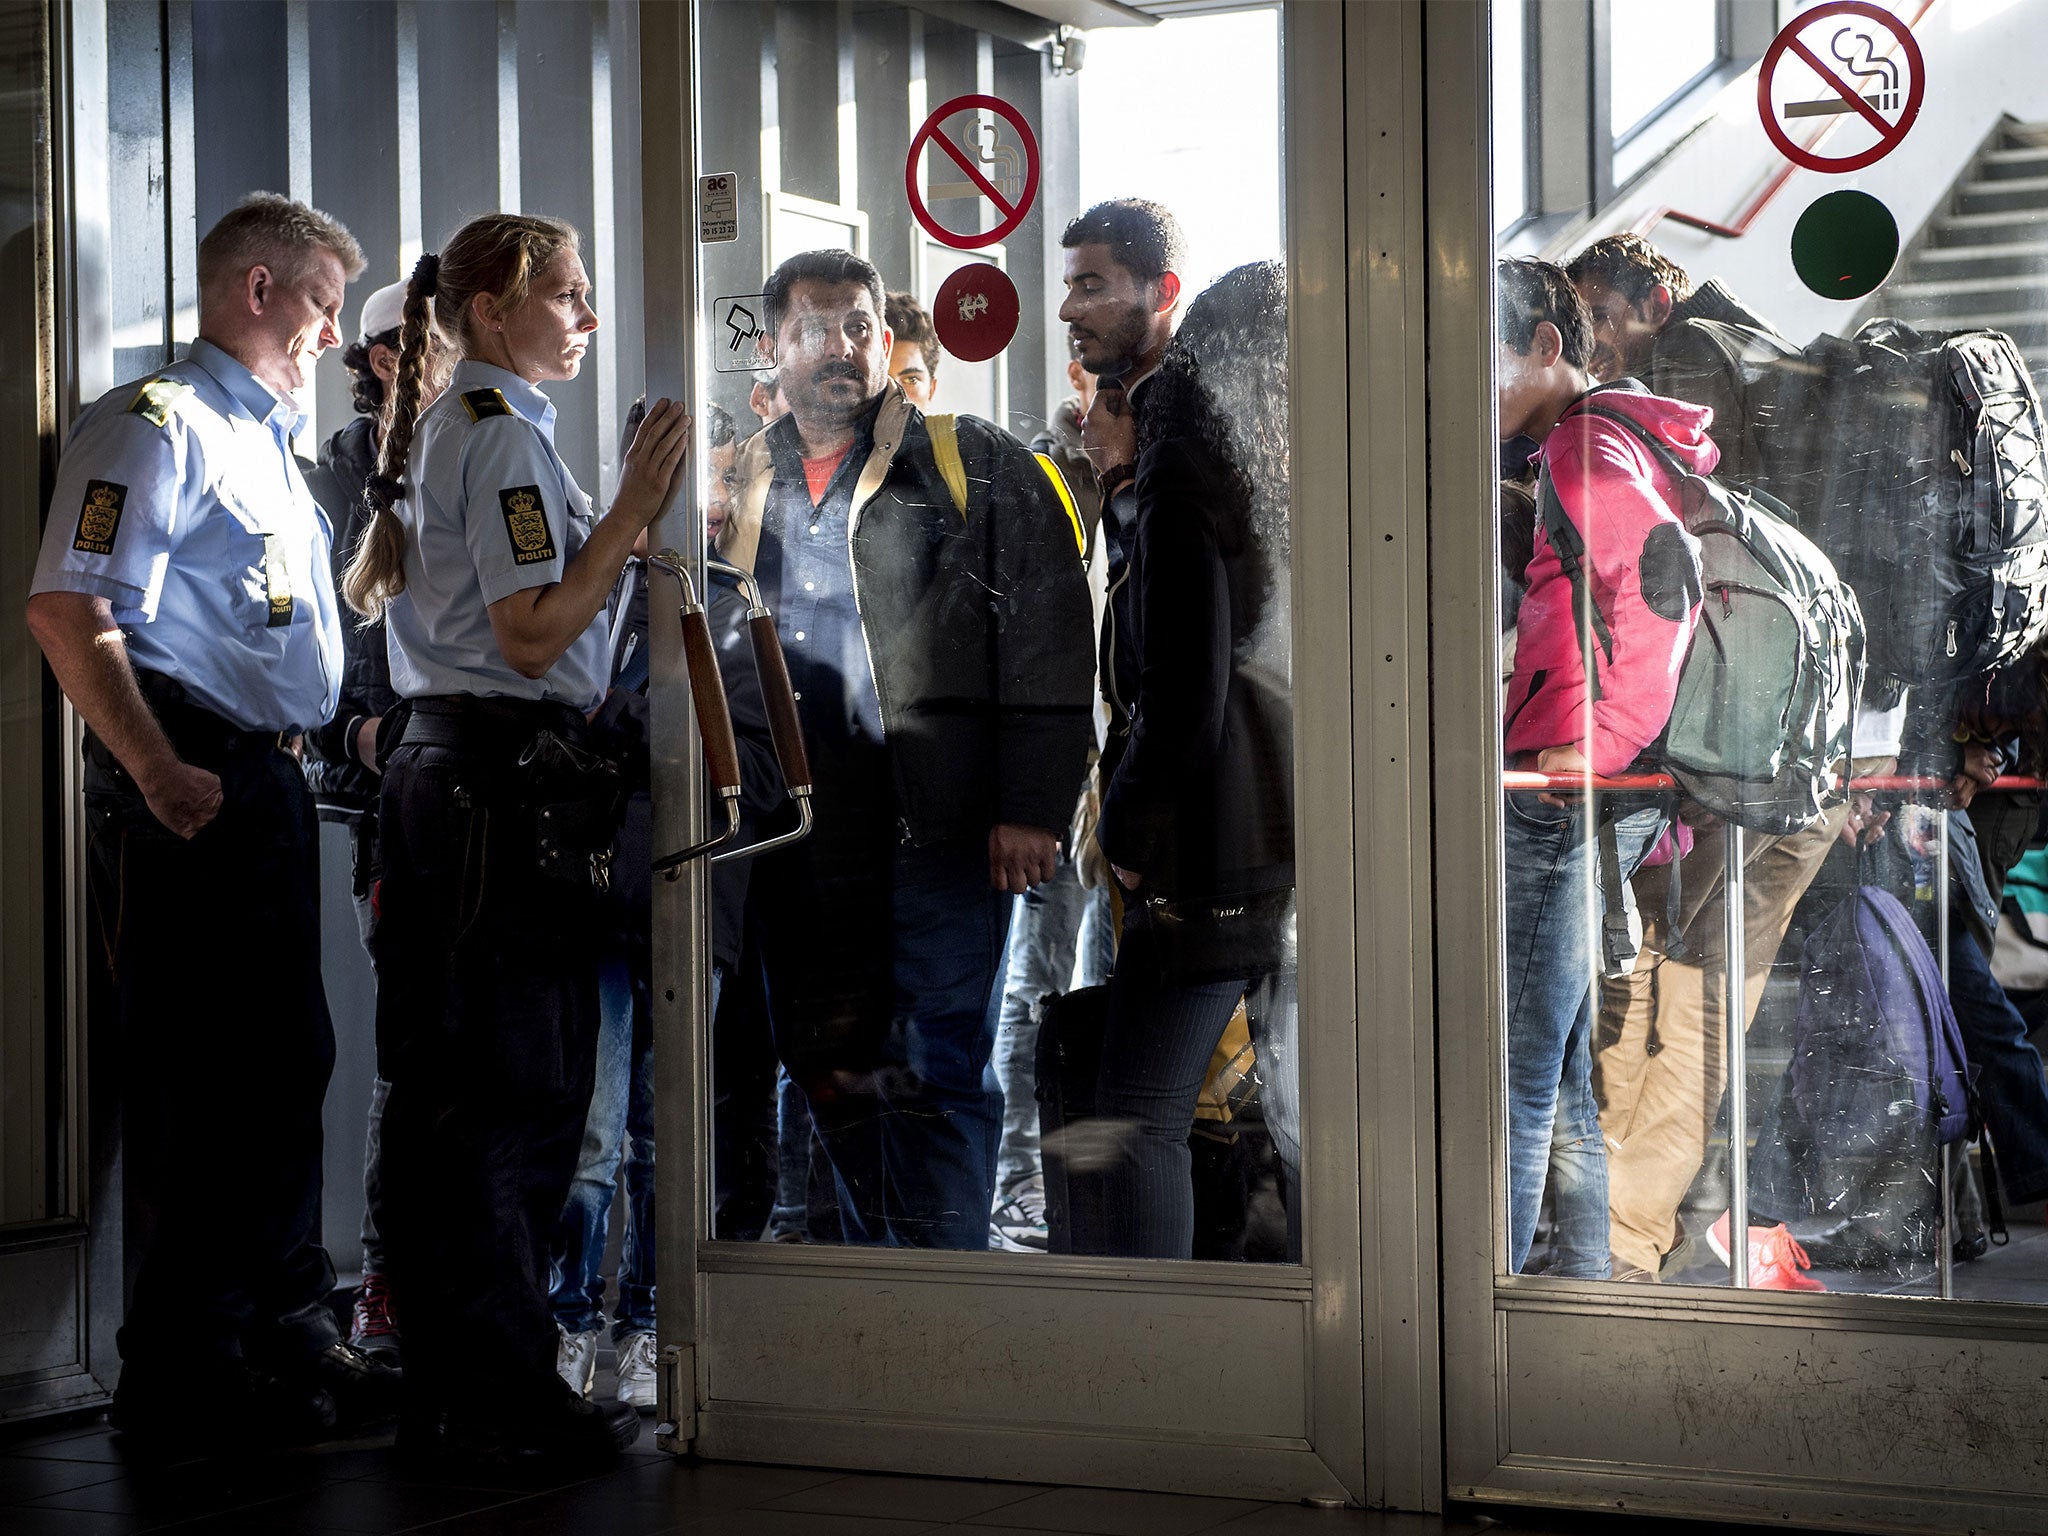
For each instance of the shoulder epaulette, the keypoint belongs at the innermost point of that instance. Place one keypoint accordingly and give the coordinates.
(485, 402)
(155, 401)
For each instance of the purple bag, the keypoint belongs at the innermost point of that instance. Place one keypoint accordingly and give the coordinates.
(1877, 1055)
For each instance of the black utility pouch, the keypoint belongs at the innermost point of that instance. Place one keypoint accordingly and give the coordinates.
(575, 796)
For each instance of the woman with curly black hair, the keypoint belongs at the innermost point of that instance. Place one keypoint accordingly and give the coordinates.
(1198, 817)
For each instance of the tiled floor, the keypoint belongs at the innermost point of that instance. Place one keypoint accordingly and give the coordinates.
(73, 1481)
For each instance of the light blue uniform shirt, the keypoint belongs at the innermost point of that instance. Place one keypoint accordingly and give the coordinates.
(179, 502)
(489, 509)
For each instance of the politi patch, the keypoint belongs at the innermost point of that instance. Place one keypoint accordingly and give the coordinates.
(526, 522)
(99, 517)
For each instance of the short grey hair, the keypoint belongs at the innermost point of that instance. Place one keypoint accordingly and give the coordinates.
(269, 230)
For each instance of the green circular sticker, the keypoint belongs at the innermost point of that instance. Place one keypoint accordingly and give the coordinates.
(1844, 246)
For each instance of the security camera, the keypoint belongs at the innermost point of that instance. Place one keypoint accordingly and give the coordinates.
(1073, 50)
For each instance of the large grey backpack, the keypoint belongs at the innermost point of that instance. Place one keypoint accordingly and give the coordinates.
(1769, 687)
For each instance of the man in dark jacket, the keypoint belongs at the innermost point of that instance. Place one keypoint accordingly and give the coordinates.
(935, 613)
(341, 758)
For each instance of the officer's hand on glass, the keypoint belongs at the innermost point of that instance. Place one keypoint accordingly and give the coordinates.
(1020, 857)
(652, 473)
(184, 798)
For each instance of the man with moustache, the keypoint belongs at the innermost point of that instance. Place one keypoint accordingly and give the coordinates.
(932, 602)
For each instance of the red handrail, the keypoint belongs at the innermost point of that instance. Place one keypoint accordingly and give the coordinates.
(1517, 778)
(1772, 187)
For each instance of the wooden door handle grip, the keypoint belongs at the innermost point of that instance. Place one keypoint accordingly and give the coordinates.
(780, 700)
(707, 692)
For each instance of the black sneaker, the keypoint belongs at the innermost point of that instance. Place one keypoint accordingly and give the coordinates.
(364, 1389)
(572, 1434)
(221, 1407)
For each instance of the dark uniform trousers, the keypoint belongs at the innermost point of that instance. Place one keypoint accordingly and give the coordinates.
(226, 1049)
(487, 1019)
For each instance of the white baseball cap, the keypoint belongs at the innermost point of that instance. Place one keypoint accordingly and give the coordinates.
(382, 311)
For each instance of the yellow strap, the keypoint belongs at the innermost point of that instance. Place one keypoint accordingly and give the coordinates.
(1059, 485)
(945, 431)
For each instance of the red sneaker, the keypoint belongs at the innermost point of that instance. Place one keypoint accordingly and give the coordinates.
(375, 1324)
(1775, 1257)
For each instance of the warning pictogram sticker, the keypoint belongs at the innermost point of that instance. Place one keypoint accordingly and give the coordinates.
(988, 164)
(1855, 67)
(739, 342)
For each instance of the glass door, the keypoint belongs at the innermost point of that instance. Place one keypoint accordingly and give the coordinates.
(1013, 415)
(1745, 1102)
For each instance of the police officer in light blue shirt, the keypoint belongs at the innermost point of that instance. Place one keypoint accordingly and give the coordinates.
(497, 814)
(185, 602)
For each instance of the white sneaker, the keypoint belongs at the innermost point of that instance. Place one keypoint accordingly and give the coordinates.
(1018, 1224)
(636, 1369)
(576, 1359)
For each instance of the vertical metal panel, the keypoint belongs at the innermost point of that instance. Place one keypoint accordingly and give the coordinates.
(1391, 799)
(352, 146)
(880, 67)
(241, 106)
(731, 40)
(627, 359)
(137, 159)
(556, 118)
(181, 214)
(1465, 674)
(806, 86)
(681, 953)
(1026, 391)
(846, 129)
(508, 106)
(298, 123)
(406, 23)
(460, 142)
(1039, 387)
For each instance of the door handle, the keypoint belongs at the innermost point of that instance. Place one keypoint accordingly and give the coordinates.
(779, 698)
(714, 717)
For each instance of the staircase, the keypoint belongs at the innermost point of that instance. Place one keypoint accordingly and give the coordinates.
(1982, 261)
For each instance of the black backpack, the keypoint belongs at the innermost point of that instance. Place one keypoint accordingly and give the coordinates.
(1916, 461)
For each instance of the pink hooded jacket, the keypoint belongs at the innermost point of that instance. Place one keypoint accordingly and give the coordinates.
(1642, 570)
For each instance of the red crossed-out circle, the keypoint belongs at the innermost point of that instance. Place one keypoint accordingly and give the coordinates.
(929, 134)
(1889, 135)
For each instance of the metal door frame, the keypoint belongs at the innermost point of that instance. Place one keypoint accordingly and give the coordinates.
(1863, 1412)
(760, 1338)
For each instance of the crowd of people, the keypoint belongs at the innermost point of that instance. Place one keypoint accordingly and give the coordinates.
(1042, 686)
(1621, 383)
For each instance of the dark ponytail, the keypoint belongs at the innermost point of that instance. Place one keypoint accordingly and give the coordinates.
(376, 572)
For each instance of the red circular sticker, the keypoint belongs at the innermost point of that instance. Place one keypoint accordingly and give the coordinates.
(1865, 65)
(1001, 174)
(975, 312)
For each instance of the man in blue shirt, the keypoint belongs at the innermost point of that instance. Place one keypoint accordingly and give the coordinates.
(185, 602)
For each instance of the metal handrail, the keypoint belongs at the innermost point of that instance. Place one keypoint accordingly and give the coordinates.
(1771, 188)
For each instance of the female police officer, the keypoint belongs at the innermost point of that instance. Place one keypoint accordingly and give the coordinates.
(493, 574)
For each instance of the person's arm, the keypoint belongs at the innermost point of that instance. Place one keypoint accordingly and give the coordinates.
(85, 650)
(1184, 663)
(1044, 666)
(535, 624)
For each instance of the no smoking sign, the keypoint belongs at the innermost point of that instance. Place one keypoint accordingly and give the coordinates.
(1854, 68)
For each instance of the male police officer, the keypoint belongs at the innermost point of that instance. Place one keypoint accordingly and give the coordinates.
(936, 616)
(185, 602)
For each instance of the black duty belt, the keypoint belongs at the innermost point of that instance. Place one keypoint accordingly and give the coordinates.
(500, 727)
(195, 729)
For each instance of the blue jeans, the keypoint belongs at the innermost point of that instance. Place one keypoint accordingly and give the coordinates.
(2010, 1082)
(1578, 1165)
(1052, 921)
(621, 1119)
(1553, 909)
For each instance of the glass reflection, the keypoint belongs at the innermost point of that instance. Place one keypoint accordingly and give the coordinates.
(1784, 654)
